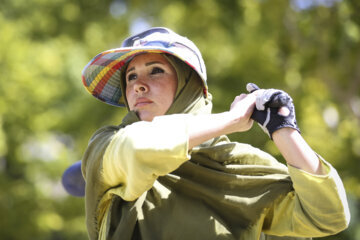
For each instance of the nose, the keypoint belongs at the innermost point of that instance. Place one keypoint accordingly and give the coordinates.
(141, 87)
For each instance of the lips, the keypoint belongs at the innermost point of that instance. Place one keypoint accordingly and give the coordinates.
(141, 102)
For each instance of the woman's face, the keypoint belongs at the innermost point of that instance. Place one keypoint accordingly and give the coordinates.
(151, 83)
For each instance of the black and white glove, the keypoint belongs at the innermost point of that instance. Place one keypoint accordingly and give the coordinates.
(266, 112)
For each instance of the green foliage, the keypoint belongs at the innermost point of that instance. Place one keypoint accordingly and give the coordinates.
(46, 116)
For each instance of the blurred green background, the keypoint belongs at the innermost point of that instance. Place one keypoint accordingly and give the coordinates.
(311, 49)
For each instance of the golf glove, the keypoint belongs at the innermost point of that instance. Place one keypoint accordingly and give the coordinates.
(266, 112)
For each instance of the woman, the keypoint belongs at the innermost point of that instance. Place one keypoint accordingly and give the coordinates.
(168, 171)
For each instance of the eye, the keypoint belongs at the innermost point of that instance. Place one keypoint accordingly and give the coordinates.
(157, 70)
(131, 76)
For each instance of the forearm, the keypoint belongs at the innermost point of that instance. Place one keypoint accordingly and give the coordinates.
(205, 127)
(296, 151)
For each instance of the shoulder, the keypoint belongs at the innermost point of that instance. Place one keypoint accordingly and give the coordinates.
(97, 146)
(104, 131)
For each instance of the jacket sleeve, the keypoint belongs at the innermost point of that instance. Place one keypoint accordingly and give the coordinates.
(318, 207)
(142, 151)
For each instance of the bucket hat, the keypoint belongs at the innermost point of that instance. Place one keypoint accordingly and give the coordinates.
(102, 75)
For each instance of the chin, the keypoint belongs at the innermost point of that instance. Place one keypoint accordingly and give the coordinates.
(146, 117)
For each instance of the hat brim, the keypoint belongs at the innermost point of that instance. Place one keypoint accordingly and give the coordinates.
(102, 75)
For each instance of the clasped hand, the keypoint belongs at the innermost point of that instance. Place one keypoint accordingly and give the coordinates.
(272, 109)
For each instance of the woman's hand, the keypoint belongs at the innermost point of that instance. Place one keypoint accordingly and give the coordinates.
(275, 113)
(237, 119)
(274, 109)
(241, 110)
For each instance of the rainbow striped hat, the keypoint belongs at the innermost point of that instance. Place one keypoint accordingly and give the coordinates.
(102, 75)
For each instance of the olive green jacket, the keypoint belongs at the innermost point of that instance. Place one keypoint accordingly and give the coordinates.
(143, 183)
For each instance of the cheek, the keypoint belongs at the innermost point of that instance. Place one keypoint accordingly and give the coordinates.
(171, 91)
(129, 98)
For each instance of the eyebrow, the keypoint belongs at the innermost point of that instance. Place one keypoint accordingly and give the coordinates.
(146, 64)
